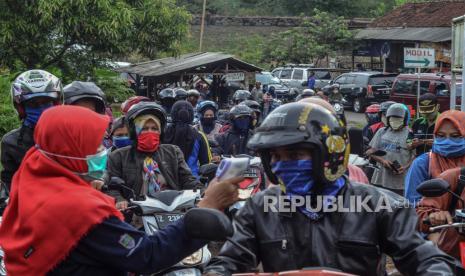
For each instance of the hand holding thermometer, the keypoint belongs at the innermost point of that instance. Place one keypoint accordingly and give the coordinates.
(232, 167)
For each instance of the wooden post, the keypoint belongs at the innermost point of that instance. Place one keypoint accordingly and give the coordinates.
(202, 24)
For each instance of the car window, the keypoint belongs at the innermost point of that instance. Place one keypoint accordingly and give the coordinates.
(349, 80)
(340, 80)
(322, 75)
(403, 86)
(286, 74)
(424, 87)
(298, 74)
(361, 80)
(276, 73)
(267, 78)
(381, 80)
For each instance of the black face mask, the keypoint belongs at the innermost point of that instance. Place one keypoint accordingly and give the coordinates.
(208, 121)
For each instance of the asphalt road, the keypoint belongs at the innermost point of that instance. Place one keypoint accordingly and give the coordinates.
(355, 119)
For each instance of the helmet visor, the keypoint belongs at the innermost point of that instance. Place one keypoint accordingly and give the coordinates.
(52, 95)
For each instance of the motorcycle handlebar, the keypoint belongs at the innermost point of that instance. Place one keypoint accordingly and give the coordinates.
(445, 226)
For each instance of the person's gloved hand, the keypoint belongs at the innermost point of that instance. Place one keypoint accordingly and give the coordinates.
(221, 194)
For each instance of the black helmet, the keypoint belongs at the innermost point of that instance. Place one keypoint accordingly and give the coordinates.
(203, 106)
(255, 106)
(78, 90)
(141, 109)
(239, 111)
(384, 106)
(310, 125)
(167, 93)
(241, 95)
(193, 92)
(180, 94)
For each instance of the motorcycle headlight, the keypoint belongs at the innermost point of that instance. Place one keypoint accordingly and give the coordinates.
(193, 259)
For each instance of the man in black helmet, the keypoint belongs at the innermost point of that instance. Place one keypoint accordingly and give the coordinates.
(85, 94)
(305, 149)
(234, 140)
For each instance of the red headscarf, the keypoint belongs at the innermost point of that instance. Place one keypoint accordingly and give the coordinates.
(438, 163)
(50, 207)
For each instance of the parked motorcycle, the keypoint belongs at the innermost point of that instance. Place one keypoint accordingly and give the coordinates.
(157, 212)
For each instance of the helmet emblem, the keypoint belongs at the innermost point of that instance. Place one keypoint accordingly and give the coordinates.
(335, 144)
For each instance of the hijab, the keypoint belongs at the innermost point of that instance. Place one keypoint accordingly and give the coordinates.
(180, 132)
(50, 207)
(439, 163)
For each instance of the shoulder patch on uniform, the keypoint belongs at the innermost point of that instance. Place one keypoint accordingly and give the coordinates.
(127, 241)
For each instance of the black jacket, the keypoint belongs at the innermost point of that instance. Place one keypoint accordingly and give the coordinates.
(352, 241)
(14, 146)
(127, 163)
(232, 143)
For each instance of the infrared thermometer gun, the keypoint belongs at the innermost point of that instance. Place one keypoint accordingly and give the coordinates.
(232, 167)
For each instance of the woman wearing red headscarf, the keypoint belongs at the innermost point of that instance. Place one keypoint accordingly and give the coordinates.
(57, 224)
(448, 152)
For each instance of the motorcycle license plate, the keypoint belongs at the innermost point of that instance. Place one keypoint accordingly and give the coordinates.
(164, 220)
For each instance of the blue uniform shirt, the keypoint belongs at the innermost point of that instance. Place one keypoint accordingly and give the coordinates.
(115, 248)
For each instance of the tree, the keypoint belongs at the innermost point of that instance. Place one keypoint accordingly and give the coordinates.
(79, 34)
(316, 38)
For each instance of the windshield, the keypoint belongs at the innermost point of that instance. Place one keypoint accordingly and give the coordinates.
(381, 80)
(267, 78)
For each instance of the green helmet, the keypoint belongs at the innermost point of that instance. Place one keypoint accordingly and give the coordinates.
(34, 84)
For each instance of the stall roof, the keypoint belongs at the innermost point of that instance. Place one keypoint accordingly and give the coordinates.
(437, 34)
(194, 63)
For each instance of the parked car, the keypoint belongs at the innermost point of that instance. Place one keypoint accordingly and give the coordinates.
(361, 89)
(297, 76)
(282, 90)
(404, 89)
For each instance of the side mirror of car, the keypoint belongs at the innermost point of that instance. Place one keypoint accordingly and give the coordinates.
(304, 83)
(331, 82)
(208, 224)
(433, 187)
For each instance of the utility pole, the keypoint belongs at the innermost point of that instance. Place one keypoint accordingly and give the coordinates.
(202, 24)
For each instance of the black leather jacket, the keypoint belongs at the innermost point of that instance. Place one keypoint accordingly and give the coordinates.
(14, 146)
(351, 242)
(233, 143)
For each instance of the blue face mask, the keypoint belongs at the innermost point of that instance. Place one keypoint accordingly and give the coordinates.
(296, 175)
(449, 147)
(121, 141)
(242, 124)
(33, 114)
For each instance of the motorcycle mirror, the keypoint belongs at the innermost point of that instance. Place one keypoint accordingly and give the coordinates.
(433, 187)
(208, 169)
(207, 224)
(116, 183)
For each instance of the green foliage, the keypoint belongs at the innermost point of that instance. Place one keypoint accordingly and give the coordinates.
(116, 89)
(346, 8)
(315, 39)
(78, 35)
(8, 117)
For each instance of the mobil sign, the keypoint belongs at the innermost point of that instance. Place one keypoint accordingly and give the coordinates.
(419, 57)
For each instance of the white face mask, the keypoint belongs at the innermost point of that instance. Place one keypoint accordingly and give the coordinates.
(396, 123)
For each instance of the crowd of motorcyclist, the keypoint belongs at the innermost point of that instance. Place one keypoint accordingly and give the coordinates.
(160, 144)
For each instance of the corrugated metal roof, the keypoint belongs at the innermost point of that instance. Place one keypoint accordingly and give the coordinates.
(194, 62)
(437, 34)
